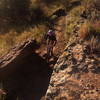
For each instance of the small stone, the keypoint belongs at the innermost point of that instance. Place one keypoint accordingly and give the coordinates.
(69, 69)
(90, 66)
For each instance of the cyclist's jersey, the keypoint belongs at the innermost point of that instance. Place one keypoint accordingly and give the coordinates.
(51, 35)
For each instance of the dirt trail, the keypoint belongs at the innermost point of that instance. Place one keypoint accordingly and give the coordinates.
(58, 49)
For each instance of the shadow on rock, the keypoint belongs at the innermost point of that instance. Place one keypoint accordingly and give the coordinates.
(30, 81)
(25, 75)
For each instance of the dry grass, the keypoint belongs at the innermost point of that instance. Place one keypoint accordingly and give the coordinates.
(96, 26)
(94, 44)
(85, 30)
(8, 40)
(88, 29)
(91, 32)
(77, 11)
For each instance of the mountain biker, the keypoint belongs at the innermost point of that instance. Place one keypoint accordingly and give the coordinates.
(51, 42)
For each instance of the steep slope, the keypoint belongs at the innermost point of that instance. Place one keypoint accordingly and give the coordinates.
(75, 75)
(61, 42)
(23, 68)
(77, 71)
(24, 74)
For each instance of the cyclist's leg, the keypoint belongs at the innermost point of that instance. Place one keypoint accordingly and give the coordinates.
(51, 48)
(48, 52)
(47, 57)
(48, 45)
(51, 51)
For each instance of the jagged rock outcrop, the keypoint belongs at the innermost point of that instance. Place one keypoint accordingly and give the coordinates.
(24, 74)
(76, 74)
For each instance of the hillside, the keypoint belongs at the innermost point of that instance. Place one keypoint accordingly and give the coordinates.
(76, 74)
(74, 71)
(77, 71)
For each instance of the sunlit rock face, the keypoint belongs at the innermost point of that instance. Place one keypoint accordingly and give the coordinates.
(76, 74)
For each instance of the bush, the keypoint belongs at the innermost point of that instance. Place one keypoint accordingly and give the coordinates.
(91, 11)
(89, 29)
(77, 11)
(91, 33)
(7, 41)
(85, 30)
